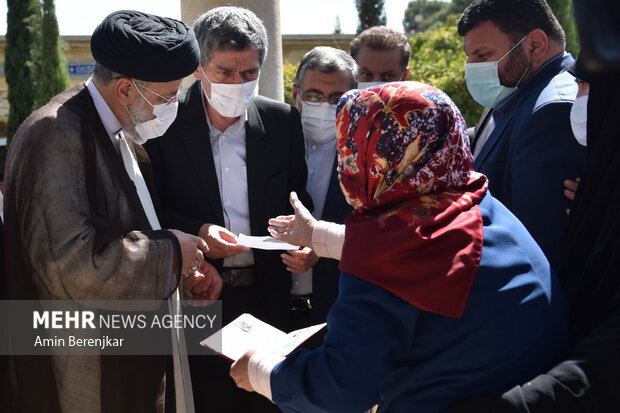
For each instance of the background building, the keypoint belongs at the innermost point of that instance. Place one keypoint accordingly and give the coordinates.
(80, 61)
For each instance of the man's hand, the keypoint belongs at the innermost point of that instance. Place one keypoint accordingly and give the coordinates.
(239, 371)
(222, 243)
(193, 249)
(570, 187)
(295, 229)
(299, 261)
(204, 286)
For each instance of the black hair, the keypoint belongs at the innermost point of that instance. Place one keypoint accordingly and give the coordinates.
(515, 18)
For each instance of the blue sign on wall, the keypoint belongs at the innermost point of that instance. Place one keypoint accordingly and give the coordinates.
(81, 69)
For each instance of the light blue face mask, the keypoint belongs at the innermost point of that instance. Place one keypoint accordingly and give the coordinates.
(483, 81)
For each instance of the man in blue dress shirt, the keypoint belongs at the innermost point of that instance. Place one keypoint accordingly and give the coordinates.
(323, 76)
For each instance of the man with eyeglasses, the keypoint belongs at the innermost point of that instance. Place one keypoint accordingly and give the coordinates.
(81, 220)
(226, 165)
(323, 76)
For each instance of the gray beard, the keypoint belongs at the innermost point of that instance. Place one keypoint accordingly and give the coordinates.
(134, 136)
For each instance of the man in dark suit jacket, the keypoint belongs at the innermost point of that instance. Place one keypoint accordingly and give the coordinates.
(323, 76)
(225, 166)
(525, 145)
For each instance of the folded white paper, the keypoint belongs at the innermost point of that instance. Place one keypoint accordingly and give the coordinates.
(264, 243)
(247, 332)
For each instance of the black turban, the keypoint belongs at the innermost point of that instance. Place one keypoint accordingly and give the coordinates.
(145, 47)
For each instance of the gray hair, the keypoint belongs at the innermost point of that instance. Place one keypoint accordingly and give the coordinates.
(105, 75)
(230, 28)
(328, 60)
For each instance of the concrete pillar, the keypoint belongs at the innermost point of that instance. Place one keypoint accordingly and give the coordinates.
(271, 77)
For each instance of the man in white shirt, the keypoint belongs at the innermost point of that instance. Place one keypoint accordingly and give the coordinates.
(225, 166)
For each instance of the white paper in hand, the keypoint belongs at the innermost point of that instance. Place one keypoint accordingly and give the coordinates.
(264, 243)
(247, 332)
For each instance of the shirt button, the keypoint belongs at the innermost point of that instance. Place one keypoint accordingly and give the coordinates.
(311, 171)
(226, 169)
(223, 136)
(313, 146)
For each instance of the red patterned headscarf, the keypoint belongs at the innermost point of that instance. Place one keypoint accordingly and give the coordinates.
(404, 164)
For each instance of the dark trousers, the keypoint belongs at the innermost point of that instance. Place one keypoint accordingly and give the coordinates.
(214, 390)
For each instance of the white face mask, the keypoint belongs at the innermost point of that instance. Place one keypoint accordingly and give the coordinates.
(318, 122)
(366, 85)
(483, 81)
(231, 100)
(579, 119)
(165, 114)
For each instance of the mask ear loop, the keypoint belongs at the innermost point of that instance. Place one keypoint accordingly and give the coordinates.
(129, 113)
(508, 52)
(143, 97)
(208, 80)
(513, 47)
(521, 78)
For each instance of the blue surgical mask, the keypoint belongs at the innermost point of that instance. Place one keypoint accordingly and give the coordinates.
(483, 81)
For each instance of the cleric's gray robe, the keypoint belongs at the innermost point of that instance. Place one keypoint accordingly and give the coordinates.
(75, 230)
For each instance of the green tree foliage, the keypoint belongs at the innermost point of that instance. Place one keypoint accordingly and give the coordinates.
(423, 14)
(289, 70)
(51, 71)
(457, 6)
(370, 13)
(563, 10)
(438, 59)
(21, 37)
(34, 67)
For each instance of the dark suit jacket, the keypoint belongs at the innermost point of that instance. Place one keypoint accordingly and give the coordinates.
(531, 151)
(187, 183)
(325, 274)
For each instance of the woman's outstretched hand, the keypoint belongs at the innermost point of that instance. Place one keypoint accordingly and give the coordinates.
(295, 229)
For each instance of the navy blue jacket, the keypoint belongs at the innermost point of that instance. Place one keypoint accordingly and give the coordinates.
(381, 349)
(531, 151)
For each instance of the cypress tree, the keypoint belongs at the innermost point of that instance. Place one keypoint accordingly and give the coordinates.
(563, 10)
(52, 75)
(370, 13)
(21, 37)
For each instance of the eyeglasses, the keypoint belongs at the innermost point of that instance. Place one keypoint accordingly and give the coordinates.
(315, 99)
(167, 101)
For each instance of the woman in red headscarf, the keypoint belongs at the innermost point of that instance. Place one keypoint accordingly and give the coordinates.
(443, 292)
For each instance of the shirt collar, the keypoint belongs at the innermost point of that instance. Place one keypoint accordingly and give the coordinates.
(232, 129)
(110, 122)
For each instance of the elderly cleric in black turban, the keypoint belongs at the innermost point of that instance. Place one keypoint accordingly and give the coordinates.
(144, 46)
